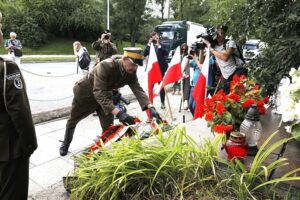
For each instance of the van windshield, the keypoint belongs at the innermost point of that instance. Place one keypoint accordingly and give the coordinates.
(250, 46)
(166, 35)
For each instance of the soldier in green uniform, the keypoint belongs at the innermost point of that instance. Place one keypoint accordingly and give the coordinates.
(17, 133)
(94, 92)
(104, 47)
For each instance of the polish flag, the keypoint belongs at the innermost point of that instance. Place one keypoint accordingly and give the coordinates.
(173, 72)
(200, 90)
(153, 73)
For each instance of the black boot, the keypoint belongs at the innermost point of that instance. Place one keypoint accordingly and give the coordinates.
(63, 150)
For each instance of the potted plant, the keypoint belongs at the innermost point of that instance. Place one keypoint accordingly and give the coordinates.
(225, 113)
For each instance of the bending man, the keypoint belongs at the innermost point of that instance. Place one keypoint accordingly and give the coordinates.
(95, 93)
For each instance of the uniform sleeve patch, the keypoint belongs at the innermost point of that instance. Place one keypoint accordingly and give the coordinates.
(16, 78)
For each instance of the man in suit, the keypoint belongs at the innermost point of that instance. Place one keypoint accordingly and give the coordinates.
(94, 92)
(17, 133)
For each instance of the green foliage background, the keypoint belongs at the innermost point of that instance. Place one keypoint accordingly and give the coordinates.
(275, 22)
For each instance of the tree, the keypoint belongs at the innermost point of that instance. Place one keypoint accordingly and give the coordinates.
(191, 10)
(161, 4)
(277, 23)
(128, 17)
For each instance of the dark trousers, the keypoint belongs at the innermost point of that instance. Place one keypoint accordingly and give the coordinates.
(14, 178)
(192, 103)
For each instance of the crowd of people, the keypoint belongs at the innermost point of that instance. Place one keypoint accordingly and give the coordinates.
(94, 94)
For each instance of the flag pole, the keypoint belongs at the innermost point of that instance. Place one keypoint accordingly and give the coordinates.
(169, 106)
(182, 102)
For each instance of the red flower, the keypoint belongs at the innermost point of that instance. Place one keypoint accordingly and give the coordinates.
(248, 103)
(228, 127)
(220, 108)
(209, 116)
(234, 97)
(209, 102)
(218, 128)
(256, 87)
(266, 99)
(260, 103)
(261, 110)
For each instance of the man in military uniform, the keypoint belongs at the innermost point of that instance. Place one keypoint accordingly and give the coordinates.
(17, 133)
(95, 92)
(104, 47)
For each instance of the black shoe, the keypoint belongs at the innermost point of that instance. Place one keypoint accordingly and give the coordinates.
(63, 150)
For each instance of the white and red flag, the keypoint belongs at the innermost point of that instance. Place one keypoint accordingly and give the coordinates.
(153, 73)
(173, 73)
(200, 90)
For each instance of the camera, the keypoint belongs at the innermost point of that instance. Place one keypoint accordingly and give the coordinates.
(106, 37)
(210, 35)
(154, 41)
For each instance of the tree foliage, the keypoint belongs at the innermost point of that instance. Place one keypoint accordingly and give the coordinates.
(276, 22)
(191, 10)
(37, 21)
(128, 17)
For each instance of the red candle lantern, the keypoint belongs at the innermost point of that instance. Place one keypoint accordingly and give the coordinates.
(236, 146)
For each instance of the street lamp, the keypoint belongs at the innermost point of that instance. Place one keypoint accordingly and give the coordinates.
(252, 128)
(107, 15)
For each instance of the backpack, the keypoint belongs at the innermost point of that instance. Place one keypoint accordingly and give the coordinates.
(84, 60)
(240, 56)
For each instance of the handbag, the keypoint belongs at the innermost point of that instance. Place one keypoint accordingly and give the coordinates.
(18, 52)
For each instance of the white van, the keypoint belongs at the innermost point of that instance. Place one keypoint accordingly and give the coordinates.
(252, 49)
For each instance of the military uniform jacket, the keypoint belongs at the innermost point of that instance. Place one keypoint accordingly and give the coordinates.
(106, 76)
(17, 133)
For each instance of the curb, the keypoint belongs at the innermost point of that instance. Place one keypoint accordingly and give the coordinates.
(45, 116)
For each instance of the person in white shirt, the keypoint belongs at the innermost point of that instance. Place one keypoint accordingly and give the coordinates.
(78, 51)
(11, 45)
(227, 56)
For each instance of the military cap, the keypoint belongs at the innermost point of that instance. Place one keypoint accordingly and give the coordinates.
(134, 53)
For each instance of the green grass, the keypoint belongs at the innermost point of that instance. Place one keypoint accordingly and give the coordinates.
(174, 167)
(63, 46)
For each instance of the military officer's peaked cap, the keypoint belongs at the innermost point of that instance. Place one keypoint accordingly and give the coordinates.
(134, 53)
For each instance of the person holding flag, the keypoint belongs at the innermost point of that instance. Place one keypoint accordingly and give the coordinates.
(161, 55)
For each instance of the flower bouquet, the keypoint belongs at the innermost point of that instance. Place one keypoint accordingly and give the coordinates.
(225, 113)
(289, 102)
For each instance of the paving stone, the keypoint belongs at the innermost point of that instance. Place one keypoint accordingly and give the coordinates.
(51, 172)
(47, 150)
